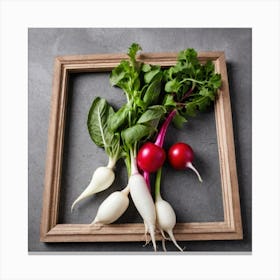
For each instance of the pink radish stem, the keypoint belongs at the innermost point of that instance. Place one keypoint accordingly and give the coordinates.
(160, 140)
(188, 93)
(146, 176)
(161, 135)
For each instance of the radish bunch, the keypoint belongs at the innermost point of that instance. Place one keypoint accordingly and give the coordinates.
(155, 97)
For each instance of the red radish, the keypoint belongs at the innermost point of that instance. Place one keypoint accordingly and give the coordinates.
(158, 143)
(161, 135)
(181, 156)
(150, 157)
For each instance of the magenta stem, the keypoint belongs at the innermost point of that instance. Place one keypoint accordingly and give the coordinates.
(161, 135)
(146, 176)
(187, 94)
(159, 141)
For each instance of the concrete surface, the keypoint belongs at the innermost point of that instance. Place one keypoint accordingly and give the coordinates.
(196, 202)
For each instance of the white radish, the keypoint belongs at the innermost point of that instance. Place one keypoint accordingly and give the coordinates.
(112, 207)
(143, 200)
(166, 217)
(102, 178)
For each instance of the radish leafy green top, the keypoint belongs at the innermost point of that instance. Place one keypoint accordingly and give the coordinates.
(151, 93)
(142, 84)
(191, 85)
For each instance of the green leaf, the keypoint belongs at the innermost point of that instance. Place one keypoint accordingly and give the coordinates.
(140, 103)
(207, 92)
(136, 83)
(126, 74)
(191, 109)
(204, 91)
(118, 119)
(188, 73)
(203, 103)
(209, 68)
(96, 121)
(98, 116)
(148, 77)
(179, 67)
(146, 68)
(153, 91)
(199, 102)
(216, 81)
(172, 86)
(152, 113)
(135, 133)
(168, 73)
(179, 120)
(133, 49)
(188, 55)
(120, 72)
(169, 100)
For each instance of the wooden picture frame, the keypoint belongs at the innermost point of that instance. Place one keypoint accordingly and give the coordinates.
(51, 231)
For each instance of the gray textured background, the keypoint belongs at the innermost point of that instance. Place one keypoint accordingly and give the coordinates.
(196, 202)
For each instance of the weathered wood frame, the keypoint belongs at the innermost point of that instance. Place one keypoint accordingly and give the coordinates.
(51, 231)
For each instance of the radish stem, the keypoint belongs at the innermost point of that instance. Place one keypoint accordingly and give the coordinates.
(146, 176)
(188, 93)
(162, 132)
(161, 135)
(111, 163)
(134, 169)
(157, 185)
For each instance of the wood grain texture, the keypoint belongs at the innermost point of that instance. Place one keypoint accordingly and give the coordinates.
(50, 231)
